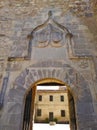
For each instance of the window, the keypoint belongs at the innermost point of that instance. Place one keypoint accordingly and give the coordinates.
(51, 98)
(40, 97)
(38, 112)
(61, 98)
(62, 113)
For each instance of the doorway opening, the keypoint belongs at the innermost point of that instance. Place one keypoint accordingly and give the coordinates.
(49, 103)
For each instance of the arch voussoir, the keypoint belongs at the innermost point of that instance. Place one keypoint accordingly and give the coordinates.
(64, 73)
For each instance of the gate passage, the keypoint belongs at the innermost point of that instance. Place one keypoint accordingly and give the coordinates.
(27, 112)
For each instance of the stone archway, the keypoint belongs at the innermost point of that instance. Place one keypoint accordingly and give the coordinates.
(13, 114)
(29, 115)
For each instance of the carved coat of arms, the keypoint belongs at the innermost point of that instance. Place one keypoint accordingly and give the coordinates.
(50, 33)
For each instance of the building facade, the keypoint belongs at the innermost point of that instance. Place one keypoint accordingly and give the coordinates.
(47, 41)
(52, 105)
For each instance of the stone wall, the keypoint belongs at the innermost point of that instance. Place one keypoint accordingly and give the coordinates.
(19, 58)
(47, 106)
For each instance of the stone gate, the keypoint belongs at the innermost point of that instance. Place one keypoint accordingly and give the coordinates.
(59, 47)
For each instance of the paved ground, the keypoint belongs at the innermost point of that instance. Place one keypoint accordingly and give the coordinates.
(39, 126)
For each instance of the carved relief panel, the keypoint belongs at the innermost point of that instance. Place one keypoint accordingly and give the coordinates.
(52, 36)
(49, 33)
(50, 40)
(49, 36)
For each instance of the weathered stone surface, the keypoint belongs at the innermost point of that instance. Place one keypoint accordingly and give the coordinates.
(75, 63)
